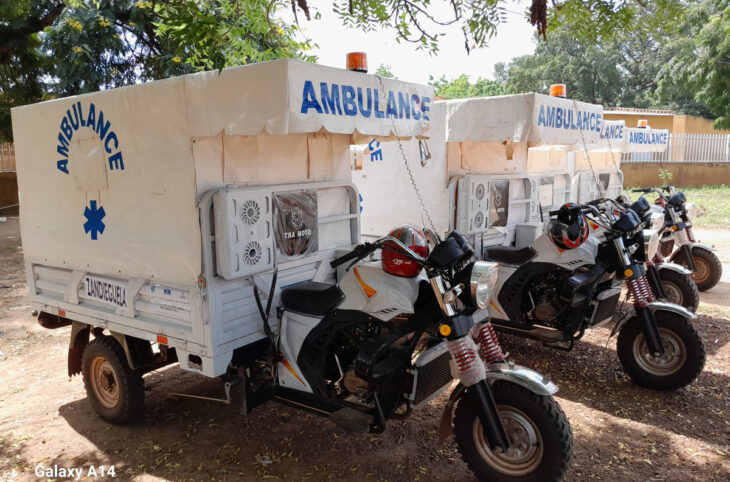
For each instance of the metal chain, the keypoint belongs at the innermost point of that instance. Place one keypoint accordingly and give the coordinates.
(405, 163)
(588, 156)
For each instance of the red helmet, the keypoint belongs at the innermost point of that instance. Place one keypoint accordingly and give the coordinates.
(569, 229)
(394, 261)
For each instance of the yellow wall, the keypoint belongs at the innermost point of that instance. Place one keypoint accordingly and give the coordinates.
(686, 174)
(662, 121)
(678, 124)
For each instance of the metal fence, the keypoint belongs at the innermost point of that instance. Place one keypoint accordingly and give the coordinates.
(687, 148)
(7, 158)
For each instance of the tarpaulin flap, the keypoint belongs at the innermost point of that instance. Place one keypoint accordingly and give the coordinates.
(612, 136)
(645, 140)
(531, 117)
(292, 97)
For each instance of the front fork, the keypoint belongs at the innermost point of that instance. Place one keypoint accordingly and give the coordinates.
(642, 295)
(655, 282)
(472, 372)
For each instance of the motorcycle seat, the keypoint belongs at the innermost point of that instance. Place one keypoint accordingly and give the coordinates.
(311, 297)
(509, 254)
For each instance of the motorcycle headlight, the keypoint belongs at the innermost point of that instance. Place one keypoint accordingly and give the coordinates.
(651, 243)
(657, 220)
(693, 210)
(482, 281)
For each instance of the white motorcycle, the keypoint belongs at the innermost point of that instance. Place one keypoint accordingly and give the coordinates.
(378, 345)
(553, 295)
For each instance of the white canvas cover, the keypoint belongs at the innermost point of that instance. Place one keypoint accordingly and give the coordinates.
(109, 181)
(532, 117)
(646, 140)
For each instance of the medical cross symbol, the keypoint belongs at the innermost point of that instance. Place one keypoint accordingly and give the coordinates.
(94, 215)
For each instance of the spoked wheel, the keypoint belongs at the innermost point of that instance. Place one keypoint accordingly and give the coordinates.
(116, 391)
(709, 268)
(681, 362)
(541, 442)
(680, 289)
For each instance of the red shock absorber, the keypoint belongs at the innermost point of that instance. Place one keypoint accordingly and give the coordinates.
(690, 234)
(489, 348)
(463, 354)
(640, 290)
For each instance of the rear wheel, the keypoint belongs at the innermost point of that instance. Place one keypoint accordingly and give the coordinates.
(709, 268)
(680, 289)
(541, 442)
(116, 391)
(683, 358)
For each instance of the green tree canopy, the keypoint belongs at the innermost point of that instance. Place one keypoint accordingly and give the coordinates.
(619, 68)
(460, 87)
(700, 63)
(52, 48)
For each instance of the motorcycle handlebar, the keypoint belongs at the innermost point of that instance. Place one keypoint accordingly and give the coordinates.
(360, 251)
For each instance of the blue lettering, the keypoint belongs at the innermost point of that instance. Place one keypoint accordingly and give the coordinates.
(391, 109)
(425, 108)
(62, 165)
(403, 105)
(378, 113)
(75, 125)
(330, 100)
(592, 124)
(550, 116)
(586, 120)
(309, 98)
(116, 161)
(598, 123)
(541, 116)
(559, 118)
(81, 114)
(415, 102)
(102, 128)
(365, 112)
(91, 120)
(66, 128)
(112, 135)
(348, 100)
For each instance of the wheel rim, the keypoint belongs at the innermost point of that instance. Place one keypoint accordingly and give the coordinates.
(104, 382)
(674, 294)
(675, 354)
(525, 443)
(703, 270)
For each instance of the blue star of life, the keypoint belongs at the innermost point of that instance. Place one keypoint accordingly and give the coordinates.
(94, 215)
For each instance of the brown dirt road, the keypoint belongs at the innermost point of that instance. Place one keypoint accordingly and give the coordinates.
(622, 432)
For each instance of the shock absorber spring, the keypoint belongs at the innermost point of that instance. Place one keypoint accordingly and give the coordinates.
(640, 290)
(465, 355)
(489, 348)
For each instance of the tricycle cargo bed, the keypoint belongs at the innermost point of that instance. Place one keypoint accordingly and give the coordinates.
(153, 210)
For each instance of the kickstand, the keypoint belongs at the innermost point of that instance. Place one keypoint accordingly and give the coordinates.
(240, 384)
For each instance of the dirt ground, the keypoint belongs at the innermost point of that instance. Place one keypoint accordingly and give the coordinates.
(621, 432)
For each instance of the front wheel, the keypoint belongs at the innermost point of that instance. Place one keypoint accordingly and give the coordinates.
(683, 358)
(541, 442)
(680, 289)
(709, 268)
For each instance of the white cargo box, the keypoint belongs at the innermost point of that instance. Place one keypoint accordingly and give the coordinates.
(153, 209)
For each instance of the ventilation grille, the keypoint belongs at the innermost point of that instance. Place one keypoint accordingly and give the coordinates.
(433, 377)
(479, 191)
(252, 253)
(250, 212)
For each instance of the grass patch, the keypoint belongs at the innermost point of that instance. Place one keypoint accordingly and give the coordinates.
(714, 200)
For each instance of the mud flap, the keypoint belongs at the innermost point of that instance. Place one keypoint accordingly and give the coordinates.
(79, 340)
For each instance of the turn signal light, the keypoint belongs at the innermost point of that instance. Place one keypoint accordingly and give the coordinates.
(558, 90)
(628, 273)
(445, 330)
(357, 61)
